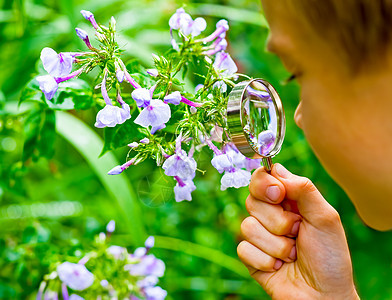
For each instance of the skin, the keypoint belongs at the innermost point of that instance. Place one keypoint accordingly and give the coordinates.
(344, 117)
(346, 127)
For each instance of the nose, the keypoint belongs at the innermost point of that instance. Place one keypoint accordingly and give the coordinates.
(298, 115)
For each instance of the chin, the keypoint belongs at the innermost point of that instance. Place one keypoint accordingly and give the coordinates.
(377, 220)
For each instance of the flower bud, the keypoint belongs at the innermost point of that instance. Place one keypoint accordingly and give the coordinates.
(111, 226)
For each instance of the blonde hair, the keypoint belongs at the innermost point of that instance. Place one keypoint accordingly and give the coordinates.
(361, 29)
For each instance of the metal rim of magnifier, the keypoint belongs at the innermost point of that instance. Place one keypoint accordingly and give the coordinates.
(235, 122)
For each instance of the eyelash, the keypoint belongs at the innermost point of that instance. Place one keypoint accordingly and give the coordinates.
(291, 78)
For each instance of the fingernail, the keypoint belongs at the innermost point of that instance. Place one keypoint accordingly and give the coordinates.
(295, 229)
(282, 171)
(278, 264)
(273, 193)
(293, 253)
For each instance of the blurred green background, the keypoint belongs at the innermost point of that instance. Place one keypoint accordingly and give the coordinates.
(55, 207)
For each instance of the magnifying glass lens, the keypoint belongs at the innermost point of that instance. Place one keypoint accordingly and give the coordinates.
(256, 120)
(259, 118)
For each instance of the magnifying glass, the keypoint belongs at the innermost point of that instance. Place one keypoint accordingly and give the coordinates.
(256, 120)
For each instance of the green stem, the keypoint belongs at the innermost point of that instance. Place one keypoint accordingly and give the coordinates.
(206, 253)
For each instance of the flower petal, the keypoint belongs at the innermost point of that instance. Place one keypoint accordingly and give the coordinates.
(47, 85)
(156, 114)
(173, 98)
(142, 97)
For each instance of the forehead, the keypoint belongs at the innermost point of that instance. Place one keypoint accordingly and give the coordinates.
(282, 35)
(289, 33)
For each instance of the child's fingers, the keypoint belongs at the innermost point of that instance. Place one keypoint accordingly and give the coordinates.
(273, 217)
(276, 246)
(266, 187)
(311, 204)
(252, 256)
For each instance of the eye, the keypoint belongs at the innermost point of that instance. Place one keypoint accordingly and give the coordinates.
(291, 78)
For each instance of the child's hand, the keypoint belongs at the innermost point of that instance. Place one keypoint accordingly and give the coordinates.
(295, 246)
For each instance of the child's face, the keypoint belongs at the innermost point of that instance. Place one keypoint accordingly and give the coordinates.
(346, 120)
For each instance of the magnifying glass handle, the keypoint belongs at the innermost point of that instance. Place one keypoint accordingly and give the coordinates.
(267, 163)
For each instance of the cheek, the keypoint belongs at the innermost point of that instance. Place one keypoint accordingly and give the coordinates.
(324, 124)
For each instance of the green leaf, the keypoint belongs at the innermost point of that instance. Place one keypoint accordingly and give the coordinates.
(47, 135)
(31, 129)
(72, 94)
(40, 134)
(177, 82)
(31, 92)
(88, 143)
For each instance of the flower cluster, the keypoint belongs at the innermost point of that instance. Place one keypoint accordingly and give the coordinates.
(151, 105)
(125, 275)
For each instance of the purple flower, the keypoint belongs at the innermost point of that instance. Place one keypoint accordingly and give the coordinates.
(75, 297)
(173, 98)
(133, 145)
(55, 64)
(148, 265)
(110, 116)
(226, 67)
(183, 189)
(47, 85)
(219, 45)
(104, 283)
(266, 140)
(149, 243)
(90, 17)
(198, 87)
(144, 141)
(84, 37)
(147, 281)
(117, 251)
(139, 252)
(82, 34)
(156, 128)
(235, 178)
(155, 293)
(180, 164)
(116, 170)
(195, 27)
(152, 72)
(221, 27)
(51, 295)
(142, 97)
(225, 64)
(119, 169)
(232, 163)
(155, 114)
(182, 21)
(216, 134)
(251, 164)
(174, 44)
(76, 276)
(179, 19)
(222, 163)
(111, 226)
(120, 75)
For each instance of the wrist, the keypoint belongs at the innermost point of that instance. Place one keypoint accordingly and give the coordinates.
(349, 295)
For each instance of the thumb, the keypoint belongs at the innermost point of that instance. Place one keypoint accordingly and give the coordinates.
(311, 204)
